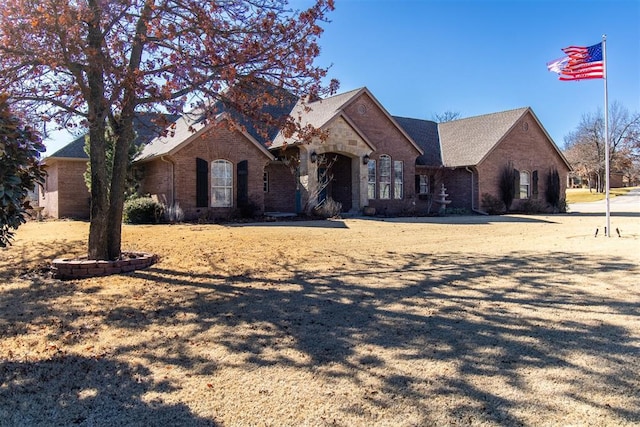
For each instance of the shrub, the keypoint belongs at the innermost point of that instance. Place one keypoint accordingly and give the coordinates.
(20, 170)
(456, 211)
(173, 213)
(491, 204)
(531, 206)
(329, 208)
(562, 206)
(248, 210)
(507, 185)
(142, 210)
(552, 192)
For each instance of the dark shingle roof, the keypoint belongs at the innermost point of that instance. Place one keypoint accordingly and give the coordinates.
(145, 127)
(275, 113)
(425, 134)
(73, 150)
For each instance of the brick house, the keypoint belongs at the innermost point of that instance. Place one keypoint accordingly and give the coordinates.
(64, 193)
(369, 158)
(468, 156)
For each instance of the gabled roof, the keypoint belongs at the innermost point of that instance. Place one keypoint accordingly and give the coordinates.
(184, 130)
(466, 142)
(323, 111)
(425, 134)
(145, 127)
(192, 124)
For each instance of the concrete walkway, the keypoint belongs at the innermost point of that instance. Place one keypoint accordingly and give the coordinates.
(627, 203)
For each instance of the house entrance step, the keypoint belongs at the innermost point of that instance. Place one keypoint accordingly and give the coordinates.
(280, 214)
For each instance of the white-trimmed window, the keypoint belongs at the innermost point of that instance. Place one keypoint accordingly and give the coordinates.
(398, 179)
(221, 184)
(423, 184)
(525, 185)
(385, 177)
(371, 182)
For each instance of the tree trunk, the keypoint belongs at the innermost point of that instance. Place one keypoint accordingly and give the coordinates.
(97, 247)
(124, 138)
(97, 111)
(125, 135)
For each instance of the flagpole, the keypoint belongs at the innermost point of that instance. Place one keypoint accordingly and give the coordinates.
(606, 138)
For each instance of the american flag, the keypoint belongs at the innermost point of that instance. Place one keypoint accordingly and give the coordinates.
(581, 63)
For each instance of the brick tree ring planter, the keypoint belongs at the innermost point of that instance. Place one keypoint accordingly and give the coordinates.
(81, 268)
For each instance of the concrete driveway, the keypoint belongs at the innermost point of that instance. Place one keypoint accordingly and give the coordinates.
(627, 203)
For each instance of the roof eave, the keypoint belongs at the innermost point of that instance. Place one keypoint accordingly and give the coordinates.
(504, 135)
(390, 117)
(356, 129)
(198, 133)
(555, 146)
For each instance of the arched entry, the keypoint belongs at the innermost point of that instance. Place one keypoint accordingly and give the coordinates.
(335, 171)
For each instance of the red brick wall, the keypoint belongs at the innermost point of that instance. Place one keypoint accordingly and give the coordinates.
(387, 139)
(49, 194)
(458, 184)
(157, 180)
(282, 189)
(65, 193)
(217, 143)
(528, 148)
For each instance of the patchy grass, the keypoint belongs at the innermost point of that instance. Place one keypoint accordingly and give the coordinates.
(582, 195)
(481, 321)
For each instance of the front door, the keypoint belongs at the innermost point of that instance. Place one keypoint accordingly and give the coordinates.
(336, 174)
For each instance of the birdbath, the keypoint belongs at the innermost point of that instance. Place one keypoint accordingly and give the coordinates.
(442, 200)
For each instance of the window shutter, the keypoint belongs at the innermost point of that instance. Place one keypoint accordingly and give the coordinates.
(432, 184)
(242, 171)
(516, 183)
(534, 184)
(202, 183)
(417, 184)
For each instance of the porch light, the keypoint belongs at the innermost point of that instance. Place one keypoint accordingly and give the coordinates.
(365, 159)
(313, 157)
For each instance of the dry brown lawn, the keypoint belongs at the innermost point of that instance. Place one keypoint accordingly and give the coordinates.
(508, 320)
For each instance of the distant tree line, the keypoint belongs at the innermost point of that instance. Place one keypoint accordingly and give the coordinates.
(585, 146)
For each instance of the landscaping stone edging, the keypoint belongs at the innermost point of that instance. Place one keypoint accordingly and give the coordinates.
(65, 269)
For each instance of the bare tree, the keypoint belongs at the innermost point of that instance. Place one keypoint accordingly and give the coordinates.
(585, 147)
(314, 187)
(447, 116)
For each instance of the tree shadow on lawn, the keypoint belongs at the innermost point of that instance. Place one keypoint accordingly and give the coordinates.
(384, 320)
(426, 309)
(94, 392)
(19, 259)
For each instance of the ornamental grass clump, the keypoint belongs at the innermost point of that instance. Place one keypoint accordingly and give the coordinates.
(329, 208)
(173, 213)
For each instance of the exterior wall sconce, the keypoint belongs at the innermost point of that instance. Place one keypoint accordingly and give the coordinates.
(365, 159)
(313, 157)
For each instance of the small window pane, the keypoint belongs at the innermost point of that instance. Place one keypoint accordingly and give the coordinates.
(524, 185)
(424, 184)
(398, 179)
(372, 179)
(221, 183)
(385, 177)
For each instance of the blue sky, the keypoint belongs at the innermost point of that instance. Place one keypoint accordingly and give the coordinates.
(476, 57)
(421, 57)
